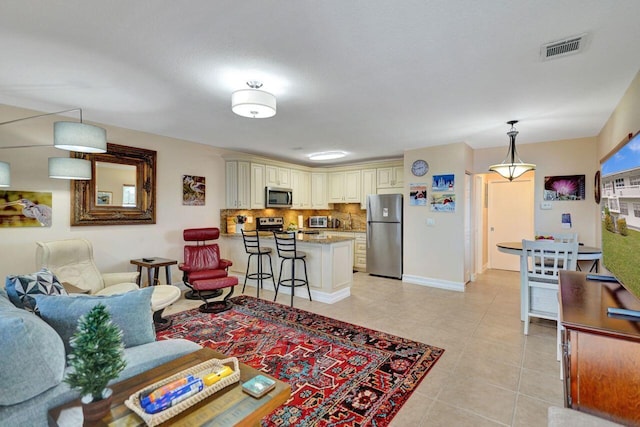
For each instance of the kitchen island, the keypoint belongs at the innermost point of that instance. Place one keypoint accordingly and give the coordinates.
(329, 264)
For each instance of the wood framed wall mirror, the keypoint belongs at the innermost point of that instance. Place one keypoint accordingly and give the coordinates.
(122, 189)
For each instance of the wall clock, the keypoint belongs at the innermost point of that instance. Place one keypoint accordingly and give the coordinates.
(420, 168)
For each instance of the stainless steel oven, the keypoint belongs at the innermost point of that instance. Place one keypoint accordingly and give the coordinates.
(278, 197)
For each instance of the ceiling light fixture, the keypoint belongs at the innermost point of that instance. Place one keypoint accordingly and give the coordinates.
(253, 103)
(71, 136)
(512, 167)
(327, 155)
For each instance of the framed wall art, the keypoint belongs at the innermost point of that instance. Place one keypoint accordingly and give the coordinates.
(193, 190)
(25, 209)
(566, 187)
(418, 194)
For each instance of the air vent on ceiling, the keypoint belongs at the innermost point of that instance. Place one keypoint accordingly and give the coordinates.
(560, 48)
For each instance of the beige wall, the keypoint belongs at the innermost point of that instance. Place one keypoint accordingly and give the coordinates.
(114, 246)
(564, 157)
(434, 255)
(625, 120)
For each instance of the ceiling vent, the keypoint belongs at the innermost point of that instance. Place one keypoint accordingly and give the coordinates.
(561, 48)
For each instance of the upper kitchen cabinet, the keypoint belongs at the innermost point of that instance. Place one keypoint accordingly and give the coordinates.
(390, 177)
(301, 186)
(257, 186)
(319, 190)
(276, 176)
(345, 187)
(238, 185)
(368, 186)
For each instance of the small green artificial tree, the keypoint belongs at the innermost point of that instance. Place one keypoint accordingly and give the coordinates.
(97, 355)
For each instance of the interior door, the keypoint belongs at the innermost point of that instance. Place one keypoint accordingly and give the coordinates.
(467, 228)
(510, 217)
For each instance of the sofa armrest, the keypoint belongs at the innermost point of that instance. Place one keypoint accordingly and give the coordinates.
(225, 263)
(111, 279)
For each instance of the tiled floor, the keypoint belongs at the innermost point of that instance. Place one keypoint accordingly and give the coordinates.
(490, 374)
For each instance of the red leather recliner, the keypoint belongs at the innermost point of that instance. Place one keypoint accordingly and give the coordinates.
(202, 261)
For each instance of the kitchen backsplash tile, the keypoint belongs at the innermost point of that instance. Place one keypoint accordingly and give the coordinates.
(350, 215)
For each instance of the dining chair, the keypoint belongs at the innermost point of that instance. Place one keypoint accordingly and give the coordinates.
(542, 261)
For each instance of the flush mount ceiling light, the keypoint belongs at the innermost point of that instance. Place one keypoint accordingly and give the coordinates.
(71, 136)
(253, 103)
(512, 167)
(327, 155)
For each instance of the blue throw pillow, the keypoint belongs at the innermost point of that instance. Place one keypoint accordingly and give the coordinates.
(21, 289)
(131, 311)
(33, 358)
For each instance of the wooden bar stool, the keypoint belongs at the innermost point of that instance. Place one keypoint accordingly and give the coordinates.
(252, 247)
(287, 250)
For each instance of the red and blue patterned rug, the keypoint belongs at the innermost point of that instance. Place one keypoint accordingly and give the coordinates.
(340, 374)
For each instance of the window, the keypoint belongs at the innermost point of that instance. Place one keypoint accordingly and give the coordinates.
(129, 195)
(619, 182)
(636, 210)
(634, 180)
(613, 205)
(608, 185)
(624, 208)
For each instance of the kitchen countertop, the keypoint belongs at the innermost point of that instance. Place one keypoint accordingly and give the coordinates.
(306, 238)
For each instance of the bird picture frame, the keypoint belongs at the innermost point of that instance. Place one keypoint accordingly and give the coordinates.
(25, 209)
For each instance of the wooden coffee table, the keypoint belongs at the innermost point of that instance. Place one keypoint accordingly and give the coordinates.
(228, 407)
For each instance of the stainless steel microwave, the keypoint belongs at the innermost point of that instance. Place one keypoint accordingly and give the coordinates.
(278, 197)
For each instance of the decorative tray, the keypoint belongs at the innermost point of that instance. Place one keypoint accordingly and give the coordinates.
(133, 402)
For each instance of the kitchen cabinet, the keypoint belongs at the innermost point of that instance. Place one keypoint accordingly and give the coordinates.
(276, 176)
(360, 251)
(319, 191)
(345, 187)
(238, 185)
(257, 186)
(368, 185)
(390, 177)
(359, 247)
(301, 186)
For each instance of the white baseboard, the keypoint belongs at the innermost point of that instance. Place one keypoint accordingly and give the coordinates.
(434, 283)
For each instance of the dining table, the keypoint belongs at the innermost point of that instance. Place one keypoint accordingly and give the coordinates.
(585, 253)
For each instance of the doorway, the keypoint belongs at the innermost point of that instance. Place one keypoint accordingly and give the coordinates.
(510, 218)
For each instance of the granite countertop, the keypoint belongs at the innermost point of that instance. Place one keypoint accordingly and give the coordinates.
(306, 238)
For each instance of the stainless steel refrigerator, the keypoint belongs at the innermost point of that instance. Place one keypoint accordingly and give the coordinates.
(384, 235)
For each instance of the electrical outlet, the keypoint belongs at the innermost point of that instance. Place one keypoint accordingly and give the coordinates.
(545, 205)
(431, 221)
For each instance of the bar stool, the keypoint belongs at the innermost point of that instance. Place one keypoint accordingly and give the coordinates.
(287, 250)
(252, 247)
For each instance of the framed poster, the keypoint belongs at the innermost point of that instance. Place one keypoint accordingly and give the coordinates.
(443, 183)
(443, 202)
(418, 194)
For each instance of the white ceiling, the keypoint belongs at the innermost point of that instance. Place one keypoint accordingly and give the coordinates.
(373, 78)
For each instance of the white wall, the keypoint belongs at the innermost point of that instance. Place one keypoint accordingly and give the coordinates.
(113, 245)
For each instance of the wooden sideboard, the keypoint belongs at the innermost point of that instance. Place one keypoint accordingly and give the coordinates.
(601, 353)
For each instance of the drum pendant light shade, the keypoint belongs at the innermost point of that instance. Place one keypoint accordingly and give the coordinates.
(81, 137)
(69, 168)
(253, 103)
(5, 174)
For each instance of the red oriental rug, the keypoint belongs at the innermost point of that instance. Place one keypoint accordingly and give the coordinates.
(340, 374)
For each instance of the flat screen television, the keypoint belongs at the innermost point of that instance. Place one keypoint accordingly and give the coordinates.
(620, 209)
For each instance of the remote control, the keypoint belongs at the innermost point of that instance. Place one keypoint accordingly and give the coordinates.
(623, 312)
(148, 259)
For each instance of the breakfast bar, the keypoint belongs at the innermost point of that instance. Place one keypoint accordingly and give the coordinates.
(329, 263)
